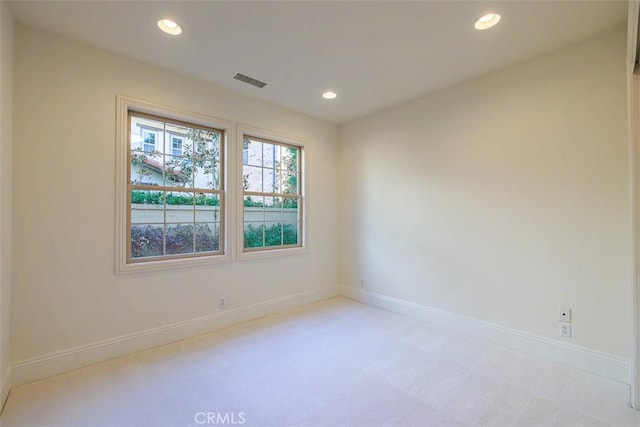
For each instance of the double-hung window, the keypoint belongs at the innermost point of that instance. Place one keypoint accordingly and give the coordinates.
(272, 194)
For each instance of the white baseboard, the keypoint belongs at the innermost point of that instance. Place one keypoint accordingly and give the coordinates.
(5, 388)
(58, 362)
(595, 362)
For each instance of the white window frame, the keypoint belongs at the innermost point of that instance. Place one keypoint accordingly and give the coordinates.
(287, 140)
(179, 138)
(124, 105)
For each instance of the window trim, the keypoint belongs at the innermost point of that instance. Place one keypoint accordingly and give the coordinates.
(296, 142)
(122, 264)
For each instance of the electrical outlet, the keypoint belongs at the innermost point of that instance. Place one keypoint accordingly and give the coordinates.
(221, 302)
(363, 284)
(565, 329)
(564, 315)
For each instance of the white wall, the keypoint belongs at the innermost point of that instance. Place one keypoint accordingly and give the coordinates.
(6, 125)
(501, 199)
(65, 293)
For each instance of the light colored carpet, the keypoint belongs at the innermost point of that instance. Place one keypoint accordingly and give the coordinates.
(333, 363)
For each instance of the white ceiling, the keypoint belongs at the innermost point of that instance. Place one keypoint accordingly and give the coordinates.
(373, 54)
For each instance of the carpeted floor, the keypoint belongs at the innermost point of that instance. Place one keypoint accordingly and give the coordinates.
(333, 363)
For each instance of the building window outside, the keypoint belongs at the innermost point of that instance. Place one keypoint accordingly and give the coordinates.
(175, 190)
(149, 140)
(176, 145)
(273, 203)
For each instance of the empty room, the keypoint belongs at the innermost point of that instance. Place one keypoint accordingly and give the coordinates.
(319, 213)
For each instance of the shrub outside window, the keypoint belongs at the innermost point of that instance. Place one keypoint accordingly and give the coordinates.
(175, 189)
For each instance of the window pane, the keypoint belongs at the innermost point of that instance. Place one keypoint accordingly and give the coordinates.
(289, 183)
(289, 160)
(146, 131)
(147, 207)
(179, 239)
(278, 156)
(207, 208)
(290, 221)
(273, 209)
(178, 172)
(290, 211)
(254, 155)
(175, 136)
(146, 240)
(207, 237)
(254, 201)
(273, 234)
(206, 171)
(268, 155)
(206, 159)
(146, 168)
(268, 181)
(252, 178)
(253, 235)
(179, 207)
(289, 170)
(269, 201)
(203, 141)
(254, 209)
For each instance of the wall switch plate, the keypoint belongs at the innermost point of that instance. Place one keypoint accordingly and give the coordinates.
(564, 315)
(565, 329)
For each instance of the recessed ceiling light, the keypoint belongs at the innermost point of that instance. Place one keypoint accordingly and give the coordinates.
(170, 27)
(487, 21)
(329, 95)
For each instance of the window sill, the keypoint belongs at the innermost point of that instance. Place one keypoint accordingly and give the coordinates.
(173, 264)
(271, 253)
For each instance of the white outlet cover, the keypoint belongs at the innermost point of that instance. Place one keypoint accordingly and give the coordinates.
(564, 329)
(564, 315)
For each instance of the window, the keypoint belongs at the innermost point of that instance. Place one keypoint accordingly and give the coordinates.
(176, 145)
(175, 189)
(172, 208)
(149, 140)
(271, 181)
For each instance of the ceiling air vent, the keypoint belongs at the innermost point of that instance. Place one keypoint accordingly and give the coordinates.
(249, 80)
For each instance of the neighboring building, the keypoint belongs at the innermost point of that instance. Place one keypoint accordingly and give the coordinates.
(163, 154)
(267, 167)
